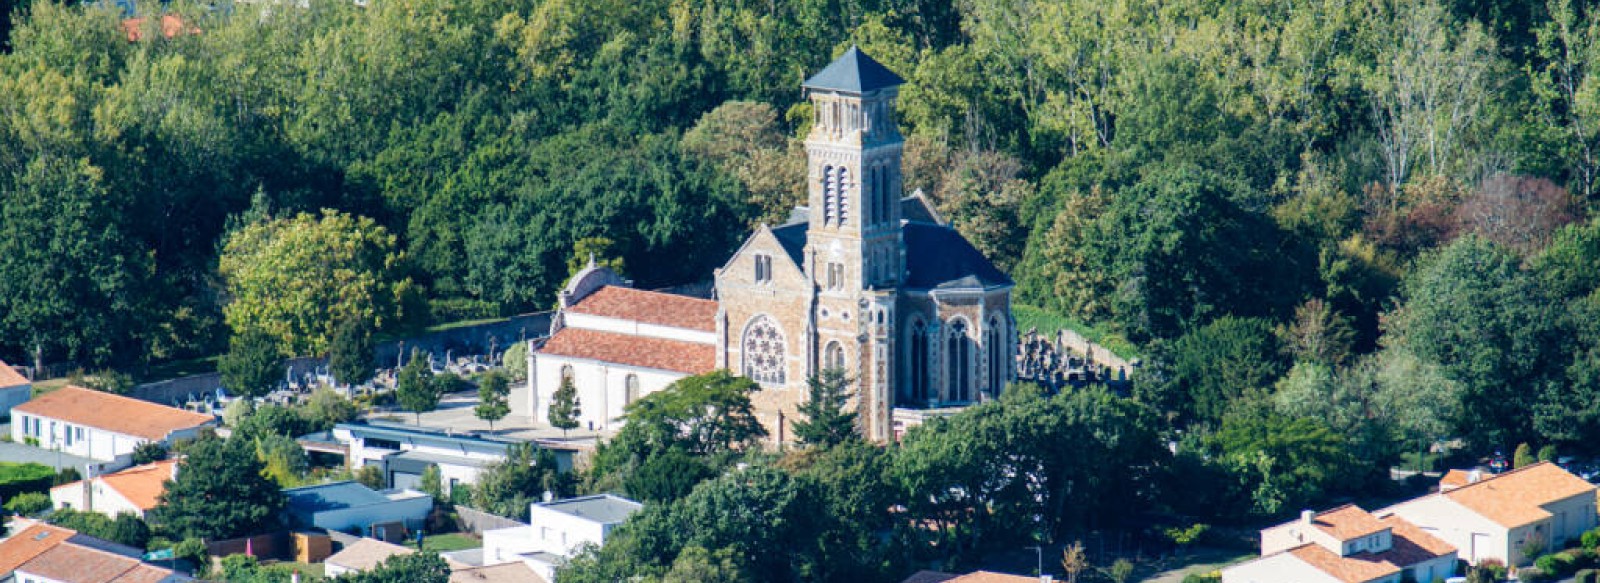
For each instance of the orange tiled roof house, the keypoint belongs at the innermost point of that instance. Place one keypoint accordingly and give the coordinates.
(1496, 516)
(135, 490)
(861, 279)
(1346, 545)
(101, 426)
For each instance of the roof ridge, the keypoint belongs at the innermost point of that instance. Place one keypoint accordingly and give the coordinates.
(1493, 477)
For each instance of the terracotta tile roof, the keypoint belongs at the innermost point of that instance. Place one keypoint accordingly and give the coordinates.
(79, 564)
(140, 485)
(1410, 545)
(31, 542)
(366, 553)
(991, 577)
(508, 573)
(1455, 479)
(144, 574)
(1348, 522)
(9, 377)
(928, 577)
(171, 26)
(640, 351)
(1357, 568)
(1514, 498)
(114, 413)
(650, 307)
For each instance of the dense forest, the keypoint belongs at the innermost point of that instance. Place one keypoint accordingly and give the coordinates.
(1368, 216)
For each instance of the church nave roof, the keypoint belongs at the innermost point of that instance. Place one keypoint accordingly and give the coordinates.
(628, 349)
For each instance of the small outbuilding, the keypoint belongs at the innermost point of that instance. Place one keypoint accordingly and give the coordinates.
(350, 506)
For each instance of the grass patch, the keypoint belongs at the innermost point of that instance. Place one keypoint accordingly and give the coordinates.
(463, 324)
(447, 542)
(1048, 323)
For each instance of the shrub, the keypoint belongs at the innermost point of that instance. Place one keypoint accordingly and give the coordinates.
(1581, 558)
(1588, 576)
(1212, 577)
(1535, 575)
(1591, 539)
(1488, 571)
(28, 503)
(17, 478)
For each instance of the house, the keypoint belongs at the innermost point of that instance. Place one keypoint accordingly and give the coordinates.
(42, 553)
(404, 451)
(14, 389)
(616, 344)
(1533, 508)
(1346, 545)
(973, 577)
(361, 556)
(101, 426)
(506, 573)
(556, 530)
(346, 506)
(134, 491)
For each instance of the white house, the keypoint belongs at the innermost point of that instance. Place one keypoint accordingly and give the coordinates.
(1499, 516)
(556, 530)
(1346, 545)
(134, 491)
(99, 425)
(618, 344)
(14, 388)
(405, 451)
(344, 506)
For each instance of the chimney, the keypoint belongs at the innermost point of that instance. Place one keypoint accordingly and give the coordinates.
(1306, 516)
(1047, 578)
(1474, 476)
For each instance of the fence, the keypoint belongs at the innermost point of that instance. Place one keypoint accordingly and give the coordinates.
(268, 546)
(476, 521)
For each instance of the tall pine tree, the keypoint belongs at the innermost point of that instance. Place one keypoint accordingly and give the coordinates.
(564, 406)
(827, 423)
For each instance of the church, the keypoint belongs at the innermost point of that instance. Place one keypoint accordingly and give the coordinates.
(861, 279)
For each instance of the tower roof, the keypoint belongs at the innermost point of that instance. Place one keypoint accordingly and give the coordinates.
(854, 72)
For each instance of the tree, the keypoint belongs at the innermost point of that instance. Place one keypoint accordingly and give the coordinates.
(704, 414)
(253, 365)
(1523, 456)
(28, 503)
(515, 361)
(125, 529)
(1204, 373)
(1074, 561)
(827, 423)
(493, 390)
(432, 483)
(1120, 570)
(1548, 453)
(350, 355)
(282, 459)
(564, 406)
(419, 567)
(1280, 463)
(220, 492)
(415, 387)
(1318, 333)
(298, 279)
(506, 488)
(149, 452)
(326, 408)
(666, 476)
(1183, 537)
(697, 565)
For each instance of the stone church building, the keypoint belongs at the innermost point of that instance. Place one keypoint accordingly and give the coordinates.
(861, 279)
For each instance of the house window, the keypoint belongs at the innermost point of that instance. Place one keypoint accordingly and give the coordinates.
(378, 443)
(763, 269)
(764, 351)
(835, 276)
(78, 431)
(68, 434)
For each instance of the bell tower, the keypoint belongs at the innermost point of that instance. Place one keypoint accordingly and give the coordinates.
(853, 157)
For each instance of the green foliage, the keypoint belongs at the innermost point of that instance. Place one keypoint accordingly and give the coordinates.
(1548, 453)
(28, 503)
(666, 476)
(1591, 539)
(274, 420)
(432, 483)
(827, 422)
(1186, 536)
(416, 388)
(1207, 372)
(371, 476)
(253, 365)
(326, 408)
(237, 411)
(298, 279)
(220, 492)
(126, 529)
(493, 391)
(507, 487)
(422, 567)
(1523, 456)
(149, 452)
(564, 406)
(515, 360)
(350, 352)
(1279, 463)
(282, 459)
(16, 478)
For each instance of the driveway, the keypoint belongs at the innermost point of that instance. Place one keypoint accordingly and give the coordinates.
(21, 453)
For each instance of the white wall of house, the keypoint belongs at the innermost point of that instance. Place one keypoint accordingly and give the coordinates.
(1474, 536)
(602, 387)
(636, 328)
(1278, 568)
(1438, 568)
(505, 545)
(104, 500)
(561, 533)
(370, 449)
(1293, 534)
(1570, 518)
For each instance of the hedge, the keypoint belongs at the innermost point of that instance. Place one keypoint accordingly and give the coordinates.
(17, 478)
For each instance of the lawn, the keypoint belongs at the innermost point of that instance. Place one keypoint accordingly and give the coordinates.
(444, 543)
(1048, 323)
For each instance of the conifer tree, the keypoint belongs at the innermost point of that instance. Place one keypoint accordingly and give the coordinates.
(827, 422)
(564, 407)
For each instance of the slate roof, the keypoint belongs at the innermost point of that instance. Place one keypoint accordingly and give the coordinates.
(793, 239)
(854, 72)
(114, 413)
(625, 303)
(915, 209)
(939, 258)
(601, 508)
(335, 496)
(640, 351)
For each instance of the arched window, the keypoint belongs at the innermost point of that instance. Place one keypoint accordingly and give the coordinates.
(959, 353)
(873, 192)
(997, 348)
(919, 361)
(833, 357)
(765, 358)
(842, 191)
(630, 389)
(567, 375)
(830, 194)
